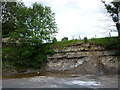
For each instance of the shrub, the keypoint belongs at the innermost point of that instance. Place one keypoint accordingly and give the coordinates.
(54, 40)
(27, 56)
(65, 39)
(85, 40)
(109, 43)
(50, 52)
(117, 53)
(24, 56)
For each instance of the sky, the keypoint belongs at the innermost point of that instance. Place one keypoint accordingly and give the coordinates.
(74, 18)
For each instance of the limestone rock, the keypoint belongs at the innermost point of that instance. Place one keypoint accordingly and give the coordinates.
(84, 58)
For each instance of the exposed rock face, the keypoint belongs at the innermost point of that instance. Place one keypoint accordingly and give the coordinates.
(84, 58)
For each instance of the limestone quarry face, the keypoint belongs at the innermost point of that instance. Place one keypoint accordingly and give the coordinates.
(85, 59)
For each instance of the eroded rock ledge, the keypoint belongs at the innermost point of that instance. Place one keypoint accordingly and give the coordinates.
(84, 58)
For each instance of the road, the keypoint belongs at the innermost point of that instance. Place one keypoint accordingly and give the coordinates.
(62, 81)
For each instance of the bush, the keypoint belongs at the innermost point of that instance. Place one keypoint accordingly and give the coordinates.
(54, 40)
(85, 40)
(65, 39)
(109, 43)
(50, 52)
(117, 53)
(25, 56)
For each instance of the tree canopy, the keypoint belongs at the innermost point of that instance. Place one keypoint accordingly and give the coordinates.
(28, 28)
(30, 24)
(112, 9)
(9, 17)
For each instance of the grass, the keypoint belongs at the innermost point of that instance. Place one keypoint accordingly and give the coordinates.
(109, 43)
(66, 43)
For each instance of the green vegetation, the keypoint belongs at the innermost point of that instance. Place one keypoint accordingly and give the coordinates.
(54, 40)
(85, 40)
(27, 56)
(108, 43)
(117, 53)
(112, 9)
(9, 17)
(62, 44)
(65, 39)
(26, 48)
(63, 52)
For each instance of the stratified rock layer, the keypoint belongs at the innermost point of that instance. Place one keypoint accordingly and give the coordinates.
(84, 58)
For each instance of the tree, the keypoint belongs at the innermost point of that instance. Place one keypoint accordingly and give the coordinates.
(36, 24)
(9, 22)
(112, 9)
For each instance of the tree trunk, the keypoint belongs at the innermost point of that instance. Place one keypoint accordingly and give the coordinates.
(119, 38)
(119, 32)
(118, 28)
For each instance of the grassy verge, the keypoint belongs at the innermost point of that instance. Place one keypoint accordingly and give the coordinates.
(108, 43)
(66, 43)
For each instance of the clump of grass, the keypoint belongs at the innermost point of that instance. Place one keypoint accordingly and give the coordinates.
(63, 52)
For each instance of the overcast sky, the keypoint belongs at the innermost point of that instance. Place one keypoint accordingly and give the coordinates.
(78, 17)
